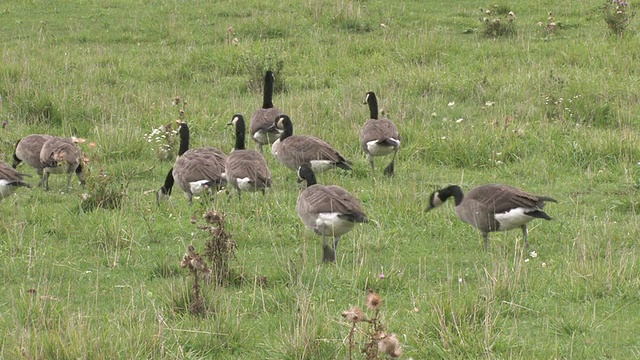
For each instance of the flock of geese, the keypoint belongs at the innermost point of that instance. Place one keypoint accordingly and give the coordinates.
(327, 210)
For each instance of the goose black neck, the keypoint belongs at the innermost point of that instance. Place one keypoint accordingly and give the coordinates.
(240, 130)
(168, 183)
(373, 105)
(287, 127)
(455, 191)
(267, 101)
(183, 131)
(305, 173)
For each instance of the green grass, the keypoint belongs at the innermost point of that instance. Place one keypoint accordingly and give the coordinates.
(554, 114)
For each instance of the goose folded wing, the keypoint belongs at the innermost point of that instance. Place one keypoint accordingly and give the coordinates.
(502, 198)
(378, 130)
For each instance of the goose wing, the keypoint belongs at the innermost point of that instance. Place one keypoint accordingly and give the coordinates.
(306, 148)
(503, 198)
(378, 130)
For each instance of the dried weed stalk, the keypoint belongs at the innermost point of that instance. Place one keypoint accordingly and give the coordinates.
(200, 271)
(220, 248)
(379, 342)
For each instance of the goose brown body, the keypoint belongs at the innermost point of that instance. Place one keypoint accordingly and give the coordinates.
(195, 170)
(327, 210)
(61, 156)
(28, 151)
(246, 170)
(294, 151)
(494, 207)
(379, 136)
(261, 123)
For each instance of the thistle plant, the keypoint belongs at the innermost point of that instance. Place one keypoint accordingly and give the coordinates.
(498, 21)
(200, 271)
(379, 342)
(617, 15)
(220, 249)
(551, 26)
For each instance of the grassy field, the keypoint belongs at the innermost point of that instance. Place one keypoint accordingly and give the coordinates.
(552, 112)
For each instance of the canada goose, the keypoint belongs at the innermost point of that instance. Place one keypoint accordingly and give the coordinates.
(294, 151)
(195, 170)
(61, 156)
(494, 207)
(379, 136)
(260, 128)
(10, 180)
(246, 170)
(328, 210)
(28, 151)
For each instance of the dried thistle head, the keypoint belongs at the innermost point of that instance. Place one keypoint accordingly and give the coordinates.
(198, 263)
(186, 260)
(213, 217)
(354, 315)
(389, 344)
(176, 100)
(374, 301)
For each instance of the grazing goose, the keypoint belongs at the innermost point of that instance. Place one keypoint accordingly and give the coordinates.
(379, 136)
(294, 151)
(328, 210)
(195, 170)
(494, 207)
(28, 151)
(260, 128)
(10, 180)
(55, 154)
(246, 170)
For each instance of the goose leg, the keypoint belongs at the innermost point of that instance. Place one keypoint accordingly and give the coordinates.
(41, 174)
(525, 235)
(46, 180)
(370, 158)
(390, 169)
(485, 237)
(335, 242)
(69, 175)
(328, 251)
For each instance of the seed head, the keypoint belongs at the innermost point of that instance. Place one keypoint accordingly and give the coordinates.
(374, 301)
(389, 345)
(355, 314)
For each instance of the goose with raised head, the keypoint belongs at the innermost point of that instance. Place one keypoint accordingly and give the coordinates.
(494, 207)
(294, 151)
(195, 170)
(327, 210)
(379, 136)
(246, 170)
(260, 127)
